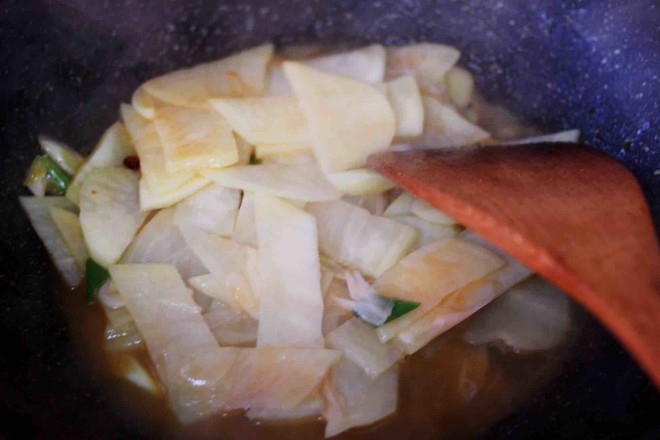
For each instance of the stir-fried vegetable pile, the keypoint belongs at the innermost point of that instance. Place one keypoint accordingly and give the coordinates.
(228, 221)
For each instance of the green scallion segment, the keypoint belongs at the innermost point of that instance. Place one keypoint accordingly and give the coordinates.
(48, 175)
(400, 308)
(95, 277)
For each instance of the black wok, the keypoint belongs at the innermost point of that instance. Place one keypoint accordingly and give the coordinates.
(67, 64)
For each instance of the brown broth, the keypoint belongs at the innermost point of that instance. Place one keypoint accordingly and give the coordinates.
(443, 388)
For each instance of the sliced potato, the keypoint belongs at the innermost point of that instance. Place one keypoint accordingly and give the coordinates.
(194, 139)
(231, 327)
(428, 232)
(366, 64)
(265, 120)
(189, 361)
(354, 399)
(245, 150)
(534, 315)
(161, 241)
(406, 101)
(270, 379)
(360, 182)
(158, 187)
(312, 406)
(38, 211)
(353, 237)
(460, 86)
(427, 62)
(347, 120)
(285, 152)
(289, 277)
(432, 273)
(69, 226)
(400, 206)
(424, 210)
(359, 343)
(276, 83)
(561, 136)
(245, 231)
(297, 182)
(144, 103)
(113, 147)
(238, 75)
(460, 305)
(444, 127)
(154, 199)
(110, 212)
(212, 209)
(374, 204)
(231, 263)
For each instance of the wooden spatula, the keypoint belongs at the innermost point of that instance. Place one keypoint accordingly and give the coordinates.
(572, 214)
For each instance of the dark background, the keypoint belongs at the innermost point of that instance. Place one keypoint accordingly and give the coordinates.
(66, 65)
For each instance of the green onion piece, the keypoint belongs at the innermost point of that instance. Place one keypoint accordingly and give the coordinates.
(95, 277)
(377, 310)
(253, 159)
(46, 177)
(400, 308)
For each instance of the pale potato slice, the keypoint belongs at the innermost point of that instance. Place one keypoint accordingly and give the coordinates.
(460, 86)
(144, 103)
(212, 209)
(297, 182)
(245, 150)
(424, 210)
(431, 274)
(427, 62)
(238, 75)
(245, 231)
(571, 136)
(270, 379)
(312, 406)
(400, 206)
(231, 263)
(195, 139)
(366, 64)
(462, 304)
(276, 83)
(428, 232)
(110, 212)
(265, 120)
(406, 101)
(350, 235)
(291, 310)
(158, 186)
(360, 182)
(68, 225)
(113, 147)
(152, 198)
(444, 127)
(38, 211)
(286, 151)
(354, 399)
(359, 343)
(189, 362)
(347, 120)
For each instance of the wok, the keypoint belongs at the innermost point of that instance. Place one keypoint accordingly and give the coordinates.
(67, 64)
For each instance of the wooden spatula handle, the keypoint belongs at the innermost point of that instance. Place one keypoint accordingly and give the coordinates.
(572, 214)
